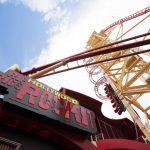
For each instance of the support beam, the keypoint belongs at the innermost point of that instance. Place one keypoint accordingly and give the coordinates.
(132, 80)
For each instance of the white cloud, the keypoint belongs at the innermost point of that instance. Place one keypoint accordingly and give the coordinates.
(71, 34)
(3, 1)
(55, 14)
(49, 8)
(41, 5)
(71, 30)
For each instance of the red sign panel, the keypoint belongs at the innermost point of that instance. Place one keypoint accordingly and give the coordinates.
(35, 96)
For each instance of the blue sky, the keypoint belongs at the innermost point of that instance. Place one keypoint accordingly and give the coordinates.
(37, 32)
(20, 32)
(23, 33)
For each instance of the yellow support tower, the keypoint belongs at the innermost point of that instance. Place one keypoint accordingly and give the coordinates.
(129, 76)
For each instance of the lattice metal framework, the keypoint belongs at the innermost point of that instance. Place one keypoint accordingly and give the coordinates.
(129, 76)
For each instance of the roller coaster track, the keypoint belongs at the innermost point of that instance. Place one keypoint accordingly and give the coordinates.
(130, 17)
(99, 59)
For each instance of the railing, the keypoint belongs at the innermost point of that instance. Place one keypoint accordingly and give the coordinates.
(106, 131)
(6, 144)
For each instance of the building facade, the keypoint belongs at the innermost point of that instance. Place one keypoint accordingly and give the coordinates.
(34, 116)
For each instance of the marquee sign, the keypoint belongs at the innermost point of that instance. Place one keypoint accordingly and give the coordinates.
(35, 96)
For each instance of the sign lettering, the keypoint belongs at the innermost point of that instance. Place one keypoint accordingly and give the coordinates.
(32, 95)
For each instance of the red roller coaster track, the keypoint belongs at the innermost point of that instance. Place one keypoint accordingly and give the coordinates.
(94, 52)
(99, 51)
(130, 17)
